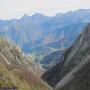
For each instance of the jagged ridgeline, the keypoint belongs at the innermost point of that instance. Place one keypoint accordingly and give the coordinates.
(17, 71)
(73, 70)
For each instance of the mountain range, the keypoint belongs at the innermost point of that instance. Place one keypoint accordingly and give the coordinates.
(43, 34)
(55, 49)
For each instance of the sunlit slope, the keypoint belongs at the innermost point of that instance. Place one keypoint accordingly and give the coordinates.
(15, 71)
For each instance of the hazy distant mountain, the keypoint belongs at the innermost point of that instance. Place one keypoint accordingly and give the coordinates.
(37, 32)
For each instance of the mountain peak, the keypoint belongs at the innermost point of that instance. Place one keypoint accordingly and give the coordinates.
(25, 16)
(37, 14)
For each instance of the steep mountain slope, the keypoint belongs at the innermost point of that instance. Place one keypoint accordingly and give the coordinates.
(50, 60)
(17, 71)
(73, 71)
(36, 33)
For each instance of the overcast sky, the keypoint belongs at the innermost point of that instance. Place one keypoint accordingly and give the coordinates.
(17, 8)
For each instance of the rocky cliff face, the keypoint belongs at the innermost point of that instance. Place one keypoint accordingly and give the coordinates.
(73, 72)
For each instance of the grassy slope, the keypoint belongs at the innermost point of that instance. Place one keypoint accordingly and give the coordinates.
(14, 75)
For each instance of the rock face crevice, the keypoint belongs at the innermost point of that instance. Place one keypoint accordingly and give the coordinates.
(73, 73)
